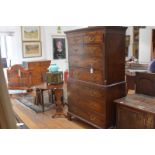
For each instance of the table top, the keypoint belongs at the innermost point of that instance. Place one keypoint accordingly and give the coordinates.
(138, 101)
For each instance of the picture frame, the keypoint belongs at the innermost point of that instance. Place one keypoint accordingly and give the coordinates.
(59, 47)
(30, 33)
(32, 49)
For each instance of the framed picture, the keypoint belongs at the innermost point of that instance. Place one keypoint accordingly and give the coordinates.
(30, 33)
(31, 49)
(59, 48)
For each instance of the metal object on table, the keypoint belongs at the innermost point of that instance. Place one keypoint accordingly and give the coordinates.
(54, 77)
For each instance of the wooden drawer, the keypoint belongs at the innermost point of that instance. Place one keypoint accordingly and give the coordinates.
(87, 103)
(84, 74)
(89, 97)
(93, 37)
(86, 90)
(93, 51)
(89, 116)
(80, 61)
(86, 37)
(75, 39)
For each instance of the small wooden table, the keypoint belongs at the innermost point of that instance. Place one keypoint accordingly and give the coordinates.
(135, 111)
(43, 87)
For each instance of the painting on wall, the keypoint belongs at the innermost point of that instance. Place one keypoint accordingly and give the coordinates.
(30, 33)
(31, 49)
(59, 48)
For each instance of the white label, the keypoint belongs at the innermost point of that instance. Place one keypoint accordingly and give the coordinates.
(91, 70)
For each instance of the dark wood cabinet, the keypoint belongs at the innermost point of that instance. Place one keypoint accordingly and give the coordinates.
(96, 73)
(38, 70)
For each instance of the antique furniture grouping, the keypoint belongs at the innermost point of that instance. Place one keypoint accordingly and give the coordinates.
(38, 70)
(19, 78)
(137, 111)
(96, 73)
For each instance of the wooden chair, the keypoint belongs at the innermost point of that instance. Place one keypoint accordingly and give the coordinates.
(145, 83)
(19, 78)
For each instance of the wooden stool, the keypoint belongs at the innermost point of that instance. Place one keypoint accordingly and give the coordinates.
(58, 93)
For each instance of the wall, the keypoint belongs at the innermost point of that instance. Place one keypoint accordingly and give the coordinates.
(145, 43)
(46, 39)
(129, 31)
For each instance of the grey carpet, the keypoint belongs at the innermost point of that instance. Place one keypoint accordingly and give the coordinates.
(29, 101)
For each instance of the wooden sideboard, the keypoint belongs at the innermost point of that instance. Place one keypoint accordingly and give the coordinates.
(38, 70)
(96, 73)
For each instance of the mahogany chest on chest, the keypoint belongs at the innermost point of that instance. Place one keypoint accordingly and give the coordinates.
(38, 70)
(96, 73)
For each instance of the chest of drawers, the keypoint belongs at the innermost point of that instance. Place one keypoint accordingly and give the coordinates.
(96, 73)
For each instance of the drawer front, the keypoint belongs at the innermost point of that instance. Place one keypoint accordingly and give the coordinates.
(86, 90)
(85, 74)
(75, 39)
(87, 103)
(86, 37)
(80, 61)
(89, 116)
(92, 51)
(128, 118)
(93, 37)
(86, 96)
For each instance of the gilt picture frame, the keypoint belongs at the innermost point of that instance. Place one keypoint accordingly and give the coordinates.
(32, 49)
(30, 33)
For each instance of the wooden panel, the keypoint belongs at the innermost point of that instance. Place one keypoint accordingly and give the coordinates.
(94, 51)
(145, 83)
(128, 118)
(89, 116)
(93, 37)
(85, 75)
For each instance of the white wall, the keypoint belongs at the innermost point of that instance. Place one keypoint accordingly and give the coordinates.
(129, 31)
(46, 39)
(145, 45)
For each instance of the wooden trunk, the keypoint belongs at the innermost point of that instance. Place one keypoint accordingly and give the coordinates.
(38, 70)
(136, 112)
(96, 73)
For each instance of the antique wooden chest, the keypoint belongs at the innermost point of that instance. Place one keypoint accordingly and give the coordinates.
(136, 111)
(96, 73)
(38, 70)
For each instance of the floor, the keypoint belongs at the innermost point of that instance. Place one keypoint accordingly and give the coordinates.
(33, 120)
(44, 120)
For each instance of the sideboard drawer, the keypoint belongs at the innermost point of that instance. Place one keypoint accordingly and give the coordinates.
(84, 74)
(93, 37)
